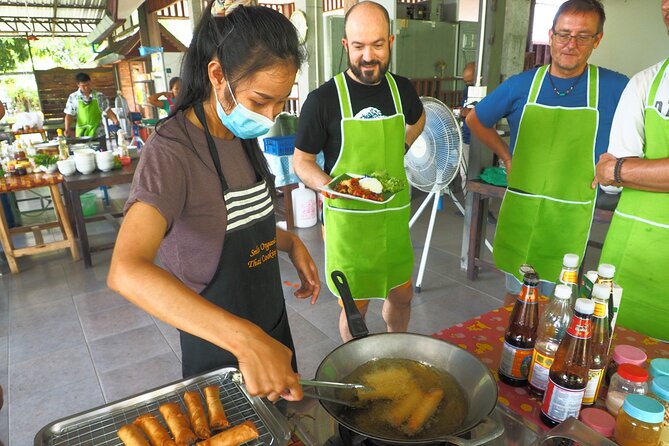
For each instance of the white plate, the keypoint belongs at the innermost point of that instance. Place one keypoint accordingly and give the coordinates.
(329, 189)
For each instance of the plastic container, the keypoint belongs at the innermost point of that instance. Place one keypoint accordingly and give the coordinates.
(304, 207)
(658, 367)
(629, 379)
(145, 50)
(88, 204)
(280, 145)
(639, 422)
(624, 354)
(659, 390)
(598, 420)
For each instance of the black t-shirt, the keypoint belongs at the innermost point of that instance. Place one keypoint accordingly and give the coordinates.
(319, 127)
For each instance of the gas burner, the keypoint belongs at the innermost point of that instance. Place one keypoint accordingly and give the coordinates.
(349, 438)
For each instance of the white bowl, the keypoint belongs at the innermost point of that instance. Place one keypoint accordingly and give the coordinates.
(85, 165)
(51, 168)
(67, 167)
(106, 166)
(84, 153)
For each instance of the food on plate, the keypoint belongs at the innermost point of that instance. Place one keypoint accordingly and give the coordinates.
(401, 409)
(234, 436)
(155, 431)
(131, 435)
(217, 418)
(177, 423)
(390, 184)
(424, 410)
(371, 184)
(198, 419)
(351, 186)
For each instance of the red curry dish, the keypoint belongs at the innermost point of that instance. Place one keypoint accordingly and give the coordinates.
(351, 186)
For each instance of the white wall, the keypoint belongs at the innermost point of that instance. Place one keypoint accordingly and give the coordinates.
(635, 36)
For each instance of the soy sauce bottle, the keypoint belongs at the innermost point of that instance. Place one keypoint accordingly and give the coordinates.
(568, 375)
(521, 334)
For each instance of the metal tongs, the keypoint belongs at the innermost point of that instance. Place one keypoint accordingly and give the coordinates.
(345, 398)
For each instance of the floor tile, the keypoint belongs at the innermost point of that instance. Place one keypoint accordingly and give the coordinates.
(113, 321)
(4, 323)
(39, 291)
(25, 320)
(99, 300)
(49, 405)
(304, 333)
(4, 352)
(171, 335)
(45, 340)
(127, 348)
(4, 412)
(309, 357)
(140, 376)
(324, 317)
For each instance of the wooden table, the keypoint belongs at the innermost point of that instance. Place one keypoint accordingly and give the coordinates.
(78, 184)
(25, 182)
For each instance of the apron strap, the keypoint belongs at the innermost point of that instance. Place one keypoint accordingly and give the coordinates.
(395, 92)
(344, 98)
(656, 84)
(536, 84)
(593, 86)
(199, 112)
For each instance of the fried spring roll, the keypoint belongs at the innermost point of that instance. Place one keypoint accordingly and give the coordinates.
(217, 418)
(198, 419)
(178, 424)
(131, 435)
(425, 410)
(402, 409)
(155, 431)
(234, 436)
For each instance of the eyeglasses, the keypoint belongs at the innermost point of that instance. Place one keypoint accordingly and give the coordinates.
(581, 39)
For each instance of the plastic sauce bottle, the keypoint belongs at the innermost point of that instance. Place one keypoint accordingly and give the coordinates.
(599, 344)
(624, 354)
(304, 207)
(63, 150)
(605, 273)
(639, 422)
(521, 334)
(569, 275)
(552, 328)
(569, 373)
(629, 379)
(659, 390)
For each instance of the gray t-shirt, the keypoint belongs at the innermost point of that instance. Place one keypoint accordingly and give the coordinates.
(176, 175)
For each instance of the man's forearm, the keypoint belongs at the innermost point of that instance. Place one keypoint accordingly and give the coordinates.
(489, 137)
(645, 174)
(309, 172)
(68, 123)
(413, 131)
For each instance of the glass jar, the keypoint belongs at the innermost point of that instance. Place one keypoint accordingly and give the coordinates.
(624, 354)
(639, 421)
(659, 389)
(629, 379)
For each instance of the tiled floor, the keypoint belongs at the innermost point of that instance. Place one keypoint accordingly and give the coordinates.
(68, 344)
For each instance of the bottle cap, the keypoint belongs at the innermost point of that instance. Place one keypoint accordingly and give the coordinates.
(525, 269)
(531, 279)
(632, 373)
(584, 306)
(570, 260)
(644, 408)
(659, 367)
(562, 291)
(598, 420)
(300, 185)
(606, 271)
(660, 387)
(628, 354)
(601, 291)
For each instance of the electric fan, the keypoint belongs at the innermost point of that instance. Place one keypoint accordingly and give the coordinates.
(432, 163)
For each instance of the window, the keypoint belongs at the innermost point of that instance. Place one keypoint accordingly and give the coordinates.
(544, 12)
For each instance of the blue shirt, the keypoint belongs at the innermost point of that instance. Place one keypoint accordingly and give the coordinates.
(466, 133)
(508, 100)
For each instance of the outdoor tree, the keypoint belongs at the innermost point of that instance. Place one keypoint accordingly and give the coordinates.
(66, 52)
(12, 52)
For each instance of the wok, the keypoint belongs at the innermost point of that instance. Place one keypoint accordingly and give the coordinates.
(471, 374)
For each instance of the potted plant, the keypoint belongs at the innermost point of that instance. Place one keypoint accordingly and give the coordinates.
(46, 162)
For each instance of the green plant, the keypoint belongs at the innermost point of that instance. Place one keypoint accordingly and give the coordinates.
(44, 159)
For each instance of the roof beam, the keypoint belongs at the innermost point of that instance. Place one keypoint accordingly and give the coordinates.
(157, 5)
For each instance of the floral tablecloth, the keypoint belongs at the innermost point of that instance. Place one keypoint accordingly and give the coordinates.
(16, 183)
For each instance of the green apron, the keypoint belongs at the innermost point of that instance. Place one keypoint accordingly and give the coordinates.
(369, 243)
(638, 239)
(89, 117)
(548, 207)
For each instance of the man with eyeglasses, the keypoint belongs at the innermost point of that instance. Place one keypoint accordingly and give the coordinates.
(638, 160)
(560, 116)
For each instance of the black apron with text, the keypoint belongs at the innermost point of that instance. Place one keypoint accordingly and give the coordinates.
(247, 282)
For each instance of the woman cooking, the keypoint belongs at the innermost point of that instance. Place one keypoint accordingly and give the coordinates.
(202, 199)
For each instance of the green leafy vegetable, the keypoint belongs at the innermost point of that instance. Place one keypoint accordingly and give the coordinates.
(390, 184)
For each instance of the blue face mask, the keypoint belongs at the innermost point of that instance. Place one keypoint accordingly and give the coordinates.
(241, 121)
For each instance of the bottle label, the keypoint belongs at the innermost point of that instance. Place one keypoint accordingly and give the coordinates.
(561, 403)
(569, 277)
(601, 310)
(541, 365)
(528, 295)
(593, 386)
(515, 362)
(579, 328)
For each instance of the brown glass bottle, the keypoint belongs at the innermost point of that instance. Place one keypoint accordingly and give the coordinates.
(568, 376)
(521, 334)
(599, 343)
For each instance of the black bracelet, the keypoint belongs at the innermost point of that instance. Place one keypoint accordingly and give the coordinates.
(616, 170)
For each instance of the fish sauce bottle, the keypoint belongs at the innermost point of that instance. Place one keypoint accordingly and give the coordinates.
(521, 334)
(569, 275)
(599, 343)
(605, 273)
(552, 328)
(568, 375)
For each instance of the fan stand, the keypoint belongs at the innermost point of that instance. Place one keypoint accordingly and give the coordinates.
(435, 195)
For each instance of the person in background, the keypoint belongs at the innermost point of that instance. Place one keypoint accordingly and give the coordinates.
(85, 108)
(469, 79)
(637, 241)
(170, 96)
(364, 120)
(203, 200)
(560, 116)
(2, 110)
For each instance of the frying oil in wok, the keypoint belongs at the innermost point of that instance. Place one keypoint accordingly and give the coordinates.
(395, 381)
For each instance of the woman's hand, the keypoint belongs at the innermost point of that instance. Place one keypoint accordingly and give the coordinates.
(265, 364)
(306, 270)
